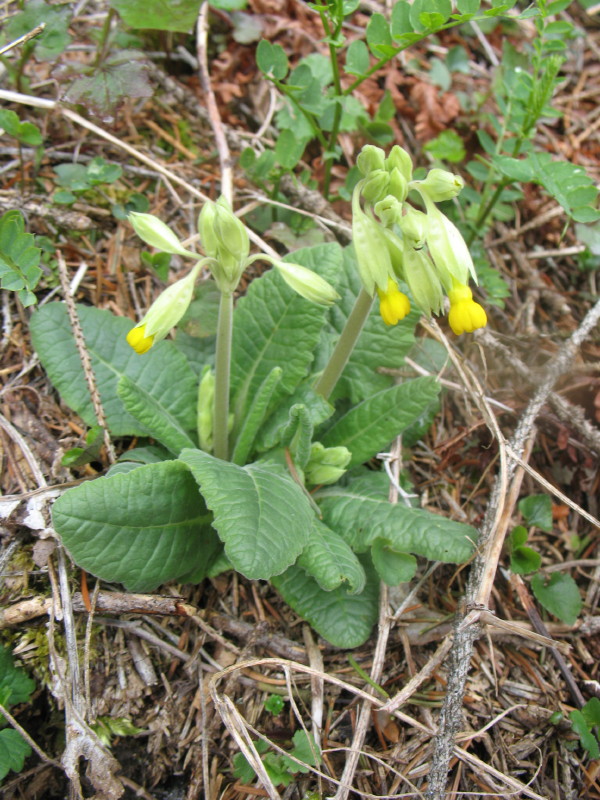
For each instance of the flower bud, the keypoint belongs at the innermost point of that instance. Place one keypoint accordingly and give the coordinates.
(154, 232)
(164, 313)
(225, 239)
(398, 184)
(326, 464)
(440, 185)
(307, 283)
(372, 253)
(414, 227)
(205, 413)
(465, 314)
(398, 158)
(369, 159)
(389, 210)
(394, 305)
(375, 186)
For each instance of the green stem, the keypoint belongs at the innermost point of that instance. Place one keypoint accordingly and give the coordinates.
(104, 39)
(343, 349)
(222, 368)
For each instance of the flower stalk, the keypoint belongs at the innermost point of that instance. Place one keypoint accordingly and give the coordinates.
(222, 370)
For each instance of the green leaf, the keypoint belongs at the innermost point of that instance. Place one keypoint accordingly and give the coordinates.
(121, 75)
(13, 751)
(272, 60)
(524, 560)
(274, 326)
(19, 258)
(559, 595)
(591, 712)
(262, 517)
(255, 417)
(468, 6)
(242, 769)
(163, 372)
(401, 23)
(289, 149)
(371, 425)
(357, 58)
(78, 456)
(448, 146)
(361, 513)
(139, 529)
(55, 36)
(72, 176)
(15, 685)
(537, 510)
(378, 345)
(160, 422)
(516, 169)
(99, 171)
(393, 567)
(344, 619)
(329, 560)
(306, 750)
(25, 132)
(162, 15)
(274, 704)
(586, 737)
(379, 37)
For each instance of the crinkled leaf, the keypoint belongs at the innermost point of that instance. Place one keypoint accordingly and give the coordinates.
(262, 516)
(162, 372)
(121, 76)
(155, 417)
(278, 425)
(275, 327)
(140, 529)
(329, 560)
(255, 417)
(559, 595)
(371, 425)
(361, 514)
(344, 619)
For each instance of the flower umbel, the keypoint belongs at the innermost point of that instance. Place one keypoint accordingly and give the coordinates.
(465, 314)
(393, 304)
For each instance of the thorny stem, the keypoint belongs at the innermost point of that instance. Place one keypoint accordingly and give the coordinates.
(222, 368)
(343, 349)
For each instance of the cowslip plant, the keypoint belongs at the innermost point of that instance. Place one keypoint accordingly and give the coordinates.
(260, 433)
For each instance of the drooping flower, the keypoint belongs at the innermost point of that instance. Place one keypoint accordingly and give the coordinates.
(306, 282)
(394, 305)
(154, 232)
(164, 313)
(465, 314)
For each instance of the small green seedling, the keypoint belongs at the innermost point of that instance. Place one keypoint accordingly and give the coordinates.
(15, 688)
(280, 768)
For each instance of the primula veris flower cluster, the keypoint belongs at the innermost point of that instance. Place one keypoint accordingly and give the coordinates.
(227, 246)
(396, 242)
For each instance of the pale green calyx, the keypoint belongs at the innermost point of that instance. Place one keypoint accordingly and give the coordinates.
(164, 313)
(423, 281)
(225, 239)
(414, 227)
(154, 232)
(305, 282)
(375, 186)
(440, 185)
(326, 464)
(369, 159)
(372, 253)
(389, 210)
(447, 247)
(399, 159)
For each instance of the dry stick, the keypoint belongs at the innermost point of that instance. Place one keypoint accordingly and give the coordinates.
(538, 624)
(84, 355)
(462, 648)
(211, 105)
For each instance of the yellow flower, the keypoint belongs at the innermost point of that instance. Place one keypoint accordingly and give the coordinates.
(137, 339)
(465, 314)
(393, 304)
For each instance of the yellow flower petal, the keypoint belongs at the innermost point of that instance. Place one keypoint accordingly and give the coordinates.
(466, 316)
(393, 304)
(137, 339)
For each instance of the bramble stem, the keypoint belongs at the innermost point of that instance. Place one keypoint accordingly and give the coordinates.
(222, 368)
(343, 349)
